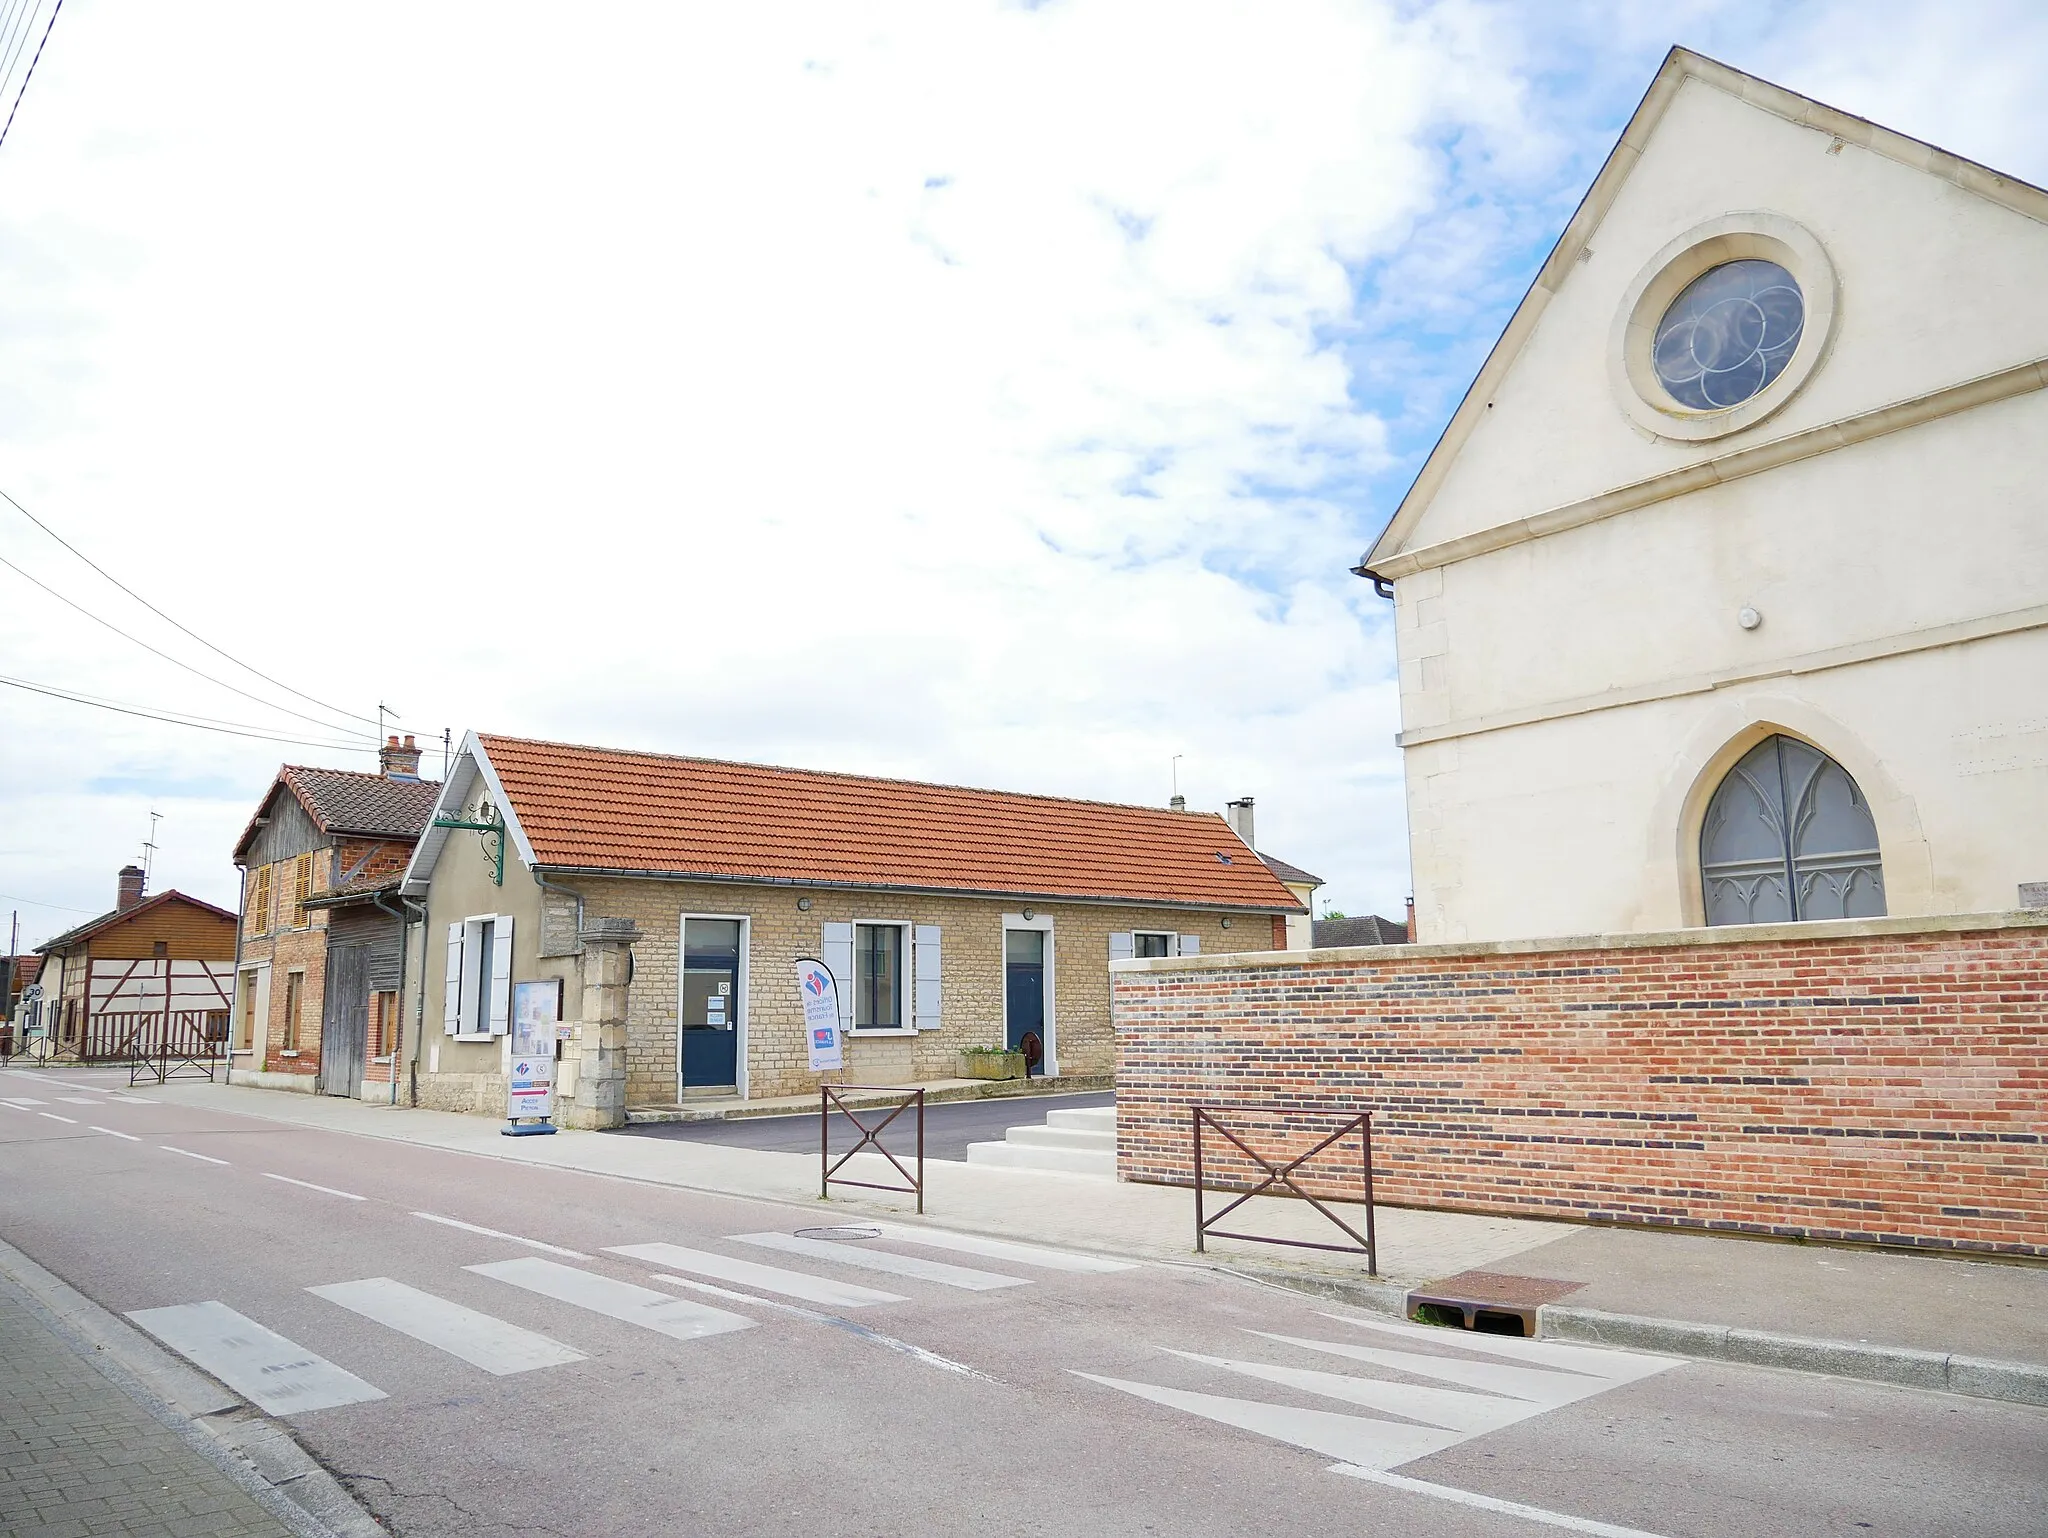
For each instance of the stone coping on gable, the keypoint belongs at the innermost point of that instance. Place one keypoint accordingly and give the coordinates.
(1718, 935)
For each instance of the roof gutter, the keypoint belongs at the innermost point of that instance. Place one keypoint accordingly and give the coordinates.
(1380, 584)
(1098, 900)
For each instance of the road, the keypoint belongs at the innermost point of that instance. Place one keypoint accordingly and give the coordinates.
(542, 1378)
(949, 1126)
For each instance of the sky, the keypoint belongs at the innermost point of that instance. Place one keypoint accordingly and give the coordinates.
(993, 394)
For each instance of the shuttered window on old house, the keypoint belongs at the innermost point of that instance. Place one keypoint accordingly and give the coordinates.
(302, 888)
(258, 916)
(294, 1001)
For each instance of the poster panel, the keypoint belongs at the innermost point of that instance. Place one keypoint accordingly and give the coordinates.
(820, 994)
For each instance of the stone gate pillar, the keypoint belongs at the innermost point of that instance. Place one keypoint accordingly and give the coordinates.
(600, 1036)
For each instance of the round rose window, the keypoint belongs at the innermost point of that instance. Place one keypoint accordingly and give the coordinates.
(1729, 334)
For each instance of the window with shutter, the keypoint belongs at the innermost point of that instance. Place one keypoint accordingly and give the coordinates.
(836, 947)
(258, 917)
(1152, 943)
(1190, 945)
(302, 888)
(1123, 945)
(499, 1020)
(451, 996)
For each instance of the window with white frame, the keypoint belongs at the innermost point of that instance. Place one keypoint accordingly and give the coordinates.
(476, 999)
(878, 977)
(1147, 943)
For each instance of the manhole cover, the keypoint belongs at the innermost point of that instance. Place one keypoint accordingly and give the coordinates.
(840, 1234)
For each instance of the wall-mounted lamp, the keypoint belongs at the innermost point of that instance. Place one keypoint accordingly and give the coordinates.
(1226, 923)
(1029, 914)
(804, 904)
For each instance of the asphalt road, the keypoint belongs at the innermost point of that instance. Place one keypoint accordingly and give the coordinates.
(1037, 1400)
(949, 1126)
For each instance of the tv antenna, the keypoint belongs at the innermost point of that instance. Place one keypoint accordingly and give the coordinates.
(149, 850)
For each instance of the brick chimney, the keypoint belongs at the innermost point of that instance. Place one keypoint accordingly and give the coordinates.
(1238, 814)
(130, 891)
(399, 763)
(1411, 920)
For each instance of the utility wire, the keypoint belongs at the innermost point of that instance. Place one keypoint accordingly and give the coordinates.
(21, 15)
(9, 897)
(25, 79)
(276, 683)
(191, 718)
(157, 715)
(176, 662)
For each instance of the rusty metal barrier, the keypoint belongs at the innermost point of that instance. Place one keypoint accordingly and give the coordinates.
(1279, 1178)
(870, 1136)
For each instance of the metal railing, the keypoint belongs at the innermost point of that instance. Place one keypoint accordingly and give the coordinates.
(1280, 1180)
(190, 1044)
(829, 1100)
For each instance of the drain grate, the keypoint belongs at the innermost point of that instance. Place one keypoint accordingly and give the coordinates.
(1489, 1301)
(843, 1233)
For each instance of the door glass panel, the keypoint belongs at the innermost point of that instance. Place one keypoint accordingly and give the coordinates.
(1024, 945)
(711, 974)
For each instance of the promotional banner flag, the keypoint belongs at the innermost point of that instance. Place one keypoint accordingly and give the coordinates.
(821, 1014)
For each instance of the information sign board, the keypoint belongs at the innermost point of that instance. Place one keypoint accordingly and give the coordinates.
(821, 1014)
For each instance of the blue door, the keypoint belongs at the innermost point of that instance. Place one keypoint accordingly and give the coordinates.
(708, 1040)
(1024, 995)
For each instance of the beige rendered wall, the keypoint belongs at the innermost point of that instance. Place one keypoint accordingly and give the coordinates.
(1570, 700)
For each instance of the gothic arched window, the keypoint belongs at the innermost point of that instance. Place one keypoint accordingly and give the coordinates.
(1789, 836)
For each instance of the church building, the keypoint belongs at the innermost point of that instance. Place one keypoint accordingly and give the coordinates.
(1723, 598)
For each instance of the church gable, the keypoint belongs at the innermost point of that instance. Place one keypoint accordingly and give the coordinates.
(1913, 273)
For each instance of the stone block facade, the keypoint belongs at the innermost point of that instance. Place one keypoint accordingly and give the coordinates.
(1874, 1081)
(972, 986)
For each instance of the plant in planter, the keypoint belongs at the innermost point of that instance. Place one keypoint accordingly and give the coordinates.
(991, 1063)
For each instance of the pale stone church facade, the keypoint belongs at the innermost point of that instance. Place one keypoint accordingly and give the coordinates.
(1724, 597)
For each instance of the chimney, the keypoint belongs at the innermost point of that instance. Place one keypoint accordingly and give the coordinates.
(1238, 814)
(1180, 804)
(130, 890)
(399, 763)
(1411, 919)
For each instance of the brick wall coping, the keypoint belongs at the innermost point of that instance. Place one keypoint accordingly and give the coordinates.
(1718, 935)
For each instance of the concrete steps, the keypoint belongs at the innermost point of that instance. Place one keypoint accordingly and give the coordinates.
(1073, 1142)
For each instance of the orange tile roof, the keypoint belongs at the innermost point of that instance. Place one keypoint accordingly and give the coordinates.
(599, 809)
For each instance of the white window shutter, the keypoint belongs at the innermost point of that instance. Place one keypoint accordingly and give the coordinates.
(501, 974)
(927, 975)
(838, 959)
(451, 998)
(1122, 945)
(1190, 945)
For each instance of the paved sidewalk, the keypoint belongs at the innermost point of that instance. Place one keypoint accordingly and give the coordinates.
(83, 1456)
(1895, 1302)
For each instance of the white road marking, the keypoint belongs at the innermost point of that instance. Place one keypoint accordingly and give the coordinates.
(133, 1100)
(1004, 1249)
(751, 1273)
(889, 1342)
(1530, 1383)
(1493, 1503)
(22, 1103)
(110, 1132)
(327, 1190)
(915, 1267)
(78, 1100)
(479, 1339)
(499, 1233)
(643, 1306)
(1351, 1439)
(1599, 1361)
(73, 1120)
(188, 1153)
(1473, 1414)
(262, 1366)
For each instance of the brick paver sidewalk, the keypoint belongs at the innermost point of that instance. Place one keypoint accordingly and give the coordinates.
(81, 1457)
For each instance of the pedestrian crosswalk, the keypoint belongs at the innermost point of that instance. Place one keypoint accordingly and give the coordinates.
(286, 1378)
(1495, 1382)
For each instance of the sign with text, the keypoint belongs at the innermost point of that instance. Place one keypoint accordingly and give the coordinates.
(530, 1088)
(821, 1014)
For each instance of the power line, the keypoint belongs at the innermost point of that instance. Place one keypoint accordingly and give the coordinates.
(158, 651)
(196, 723)
(193, 718)
(238, 662)
(25, 79)
(21, 16)
(9, 897)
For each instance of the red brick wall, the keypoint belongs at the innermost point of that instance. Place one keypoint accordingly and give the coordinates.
(1876, 1087)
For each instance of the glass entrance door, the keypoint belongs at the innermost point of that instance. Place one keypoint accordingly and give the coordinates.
(1024, 995)
(708, 1040)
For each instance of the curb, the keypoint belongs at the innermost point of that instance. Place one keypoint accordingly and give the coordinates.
(1944, 1372)
(992, 1089)
(255, 1451)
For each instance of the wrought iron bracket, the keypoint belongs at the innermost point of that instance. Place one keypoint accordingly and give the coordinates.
(494, 829)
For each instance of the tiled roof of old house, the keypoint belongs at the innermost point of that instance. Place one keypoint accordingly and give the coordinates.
(348, 801)
(1286, 872)
(92, 927)
(599, 809)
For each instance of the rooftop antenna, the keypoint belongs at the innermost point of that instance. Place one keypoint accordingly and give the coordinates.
(149, 850)
(1176, 771)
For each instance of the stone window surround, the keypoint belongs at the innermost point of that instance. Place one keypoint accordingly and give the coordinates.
(1753, 234)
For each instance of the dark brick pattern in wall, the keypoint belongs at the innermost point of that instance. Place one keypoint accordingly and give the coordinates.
(1883, 1089)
